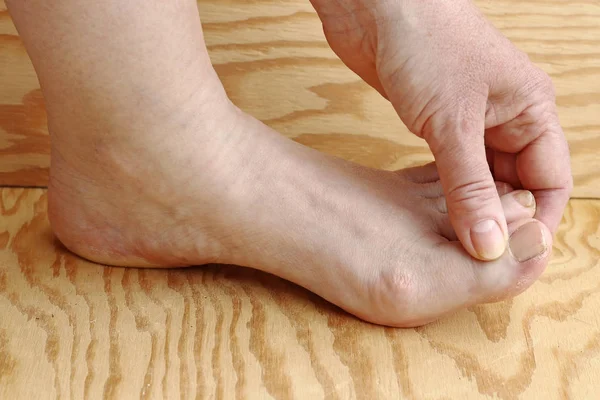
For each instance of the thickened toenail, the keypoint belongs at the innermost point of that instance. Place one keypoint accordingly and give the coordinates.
(527, 242)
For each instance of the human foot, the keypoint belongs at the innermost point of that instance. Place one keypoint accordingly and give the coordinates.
(378, 244)
(153, 166)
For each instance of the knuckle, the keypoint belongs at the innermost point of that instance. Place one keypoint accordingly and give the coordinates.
(470, 196)
(453, 119)
(542, 84)
(439, 133)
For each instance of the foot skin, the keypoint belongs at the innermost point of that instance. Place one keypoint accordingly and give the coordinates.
(153, 166)
(224, 188)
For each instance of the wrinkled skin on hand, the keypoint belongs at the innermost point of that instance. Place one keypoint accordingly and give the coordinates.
(484, 109)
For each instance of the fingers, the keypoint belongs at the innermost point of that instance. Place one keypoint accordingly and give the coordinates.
(474, 206)
(505, 168)
(542, 164)
(518, 205)
(428, 173)
(550, 179)
(543, 167)
(551, 206)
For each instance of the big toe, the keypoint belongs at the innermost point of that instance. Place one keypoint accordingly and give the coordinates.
(454, 280)
(528, 254)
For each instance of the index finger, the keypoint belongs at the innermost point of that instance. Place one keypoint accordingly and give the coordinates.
(544, 168)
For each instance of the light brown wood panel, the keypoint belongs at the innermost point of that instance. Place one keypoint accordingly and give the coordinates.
(275, 64)
(72, 329)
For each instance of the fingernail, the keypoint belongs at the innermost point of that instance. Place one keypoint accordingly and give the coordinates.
(525, 198)
(488, 239)
(527, 242)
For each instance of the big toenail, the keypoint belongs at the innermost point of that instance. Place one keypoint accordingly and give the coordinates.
(527, 242)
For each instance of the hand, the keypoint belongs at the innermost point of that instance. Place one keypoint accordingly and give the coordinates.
(458, 83)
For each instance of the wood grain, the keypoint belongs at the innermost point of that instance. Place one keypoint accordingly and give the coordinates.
(275, 64)
(70, 329)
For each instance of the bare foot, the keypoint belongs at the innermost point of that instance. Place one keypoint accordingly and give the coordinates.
(378, 244)
(153, 166)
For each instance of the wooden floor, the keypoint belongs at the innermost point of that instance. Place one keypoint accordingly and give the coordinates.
(72, 329)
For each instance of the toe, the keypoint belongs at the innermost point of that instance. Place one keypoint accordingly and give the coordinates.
(518, 205)
(453, 279)
(427, 173)
(528, 253)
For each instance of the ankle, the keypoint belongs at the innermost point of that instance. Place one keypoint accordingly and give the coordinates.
(107, 189)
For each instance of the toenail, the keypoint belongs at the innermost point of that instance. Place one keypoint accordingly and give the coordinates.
(525, 198)
(488, 239)
(527, 242)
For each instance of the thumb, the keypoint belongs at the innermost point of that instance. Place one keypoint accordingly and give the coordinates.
(473, 202)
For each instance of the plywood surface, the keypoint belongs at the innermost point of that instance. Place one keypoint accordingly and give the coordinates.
(72, 329)
(275, 64)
